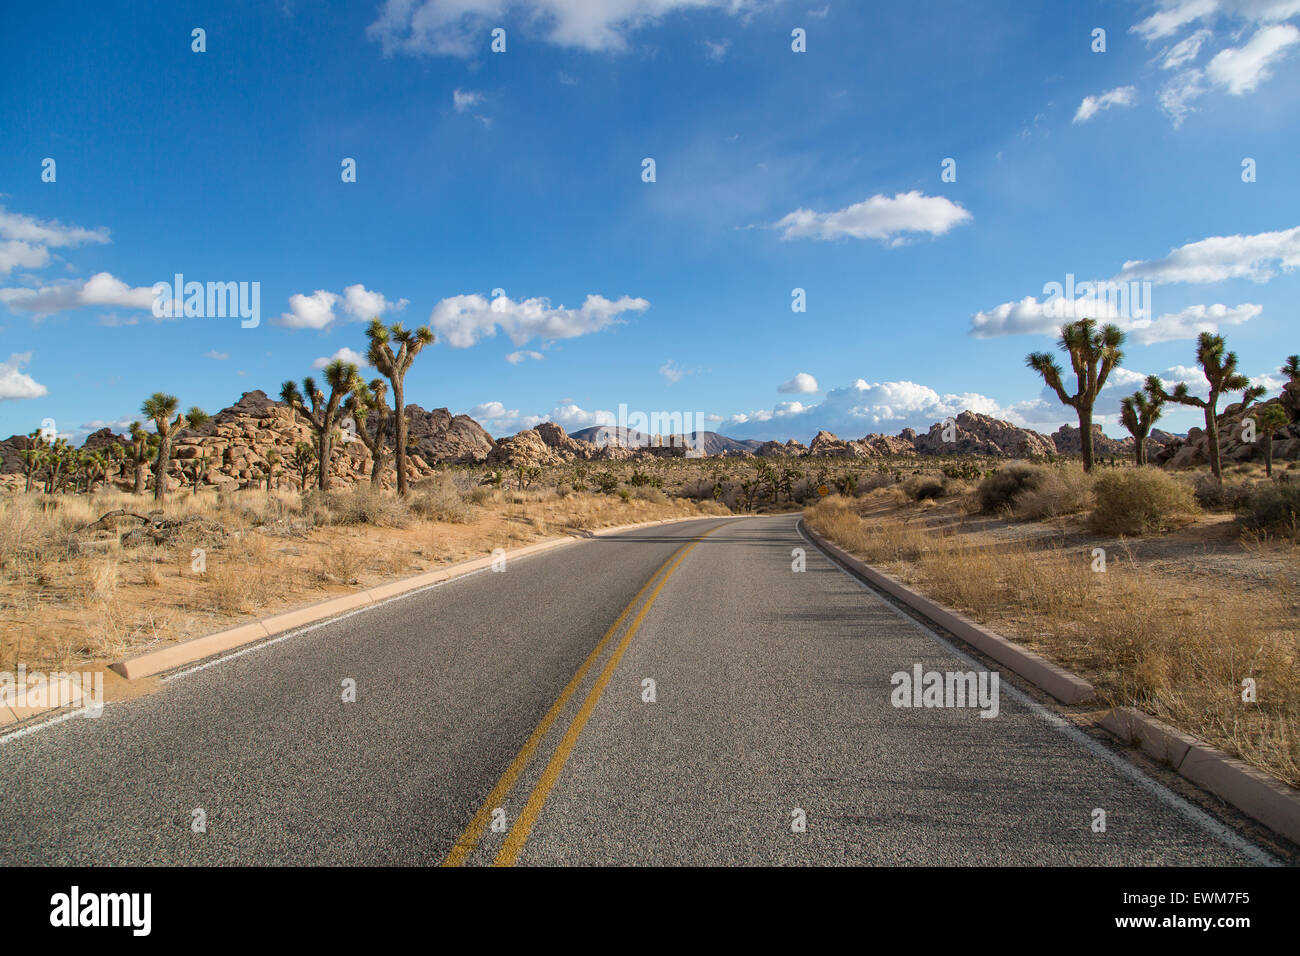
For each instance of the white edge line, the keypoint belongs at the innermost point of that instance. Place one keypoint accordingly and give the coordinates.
(1225, 834)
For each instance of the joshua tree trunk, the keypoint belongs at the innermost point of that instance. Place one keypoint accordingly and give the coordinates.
(399, 435)
(161, 466)
(1085, 436)
(323, 471)
(1268, 454)
(141, 477)
(377, 468)
(1140, 450)
(1212, 435)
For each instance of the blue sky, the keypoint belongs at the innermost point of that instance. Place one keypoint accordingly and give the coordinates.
(522, 171)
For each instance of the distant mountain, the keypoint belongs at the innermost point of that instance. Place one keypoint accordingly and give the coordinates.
(714, 444)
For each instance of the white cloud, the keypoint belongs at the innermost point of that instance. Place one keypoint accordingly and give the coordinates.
(863, 407)
(877, 218)
(364, 304)
(217, 356)
(1242, 69)
(801, 384)
(315, 311)
(674, 373)
(344, 354)
(1222, 257)
(1172, 16)
(462, 320)
(1092, 105)
(25, 241)
(570, 417)
(1029, 316)
(717, 51)
(1178, 94)
(462, 27)
(465, 100)
(514, 358)
(16, 384)
(1185, 50)
(100, 289)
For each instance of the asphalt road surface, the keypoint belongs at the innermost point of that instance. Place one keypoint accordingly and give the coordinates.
(506, 718)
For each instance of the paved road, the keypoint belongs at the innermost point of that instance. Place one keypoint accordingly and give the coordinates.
(523, 693)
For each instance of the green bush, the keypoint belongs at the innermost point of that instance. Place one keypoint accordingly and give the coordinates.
(1139, 501)
(925, 488)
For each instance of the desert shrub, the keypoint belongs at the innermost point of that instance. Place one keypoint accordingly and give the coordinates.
(481, 495)
(360, 505)
(1213, 495)
(1140, 501)
(1272, 508)
(1062, 491)
(1001, 490)
(924, 488)
(649, 493)
(440, 498)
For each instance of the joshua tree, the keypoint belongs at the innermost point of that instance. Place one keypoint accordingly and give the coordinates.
(272, 459)
(160, 407)
(1292, 368)
(1139, 412)
(59, 460)
(94, 467)
(369, 409)
(1268, 420)
(1094, 352)
(325, 413)
(33, 457)
(394, 367)
(1220, 368)
(302, 462)
(195, 470)
(144, 445)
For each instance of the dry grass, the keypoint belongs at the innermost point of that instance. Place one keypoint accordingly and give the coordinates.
(1177, 645)
(70, 596)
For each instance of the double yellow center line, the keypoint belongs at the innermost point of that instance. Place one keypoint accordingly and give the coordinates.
(514, 842)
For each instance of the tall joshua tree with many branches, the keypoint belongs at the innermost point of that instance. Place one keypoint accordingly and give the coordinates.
(1094, 352)
(370, 411)
(1138, 412)
(143, 446)
(394, 366)
(1220, 368)
(325, 412)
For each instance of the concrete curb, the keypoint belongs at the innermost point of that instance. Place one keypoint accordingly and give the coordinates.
(209, 645)
(1259, 796)
(1255, 794)
(1060, 683)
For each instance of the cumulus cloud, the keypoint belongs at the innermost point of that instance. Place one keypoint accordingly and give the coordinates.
(801, 384)
(101, 289)
(344, 354)
(879, 217)
(674, 373)
(462, 320)
(1240, 70)
(1029, 316)
(217, 356)
(364, 304)
(863, 407)
(25, 241)
(17, 384)
(514, 358)
(1217, 258)
(1092, 105)
(315, 311)
(462, 27)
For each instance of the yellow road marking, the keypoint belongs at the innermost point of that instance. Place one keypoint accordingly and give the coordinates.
(514, 842)
(464, 846)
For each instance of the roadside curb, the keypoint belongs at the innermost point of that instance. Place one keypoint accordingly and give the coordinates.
(1261, 797)
(209, 645)
(1060, 683)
